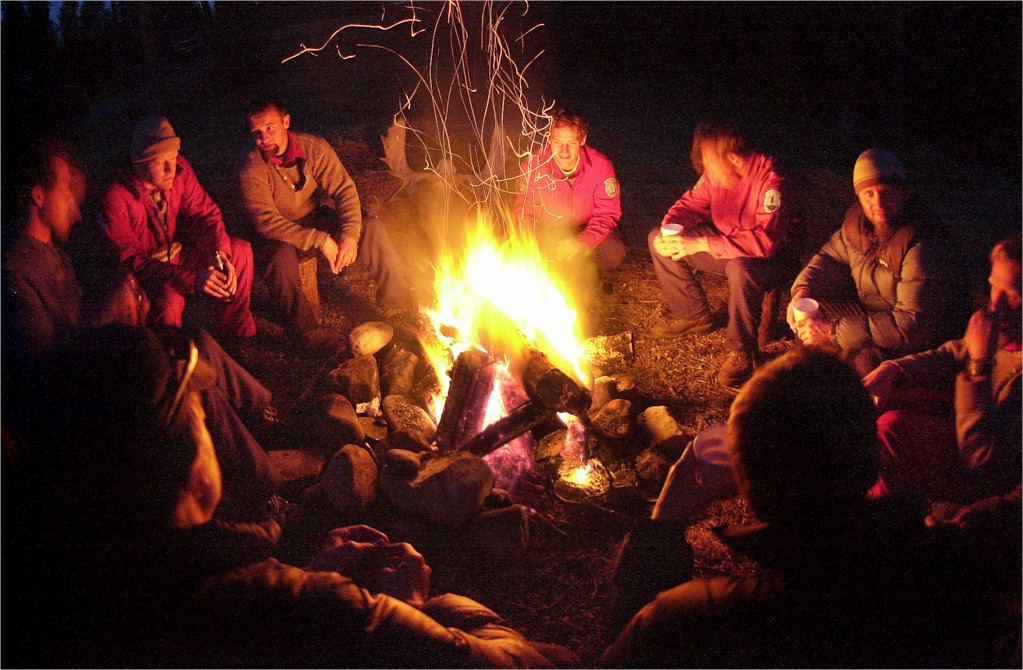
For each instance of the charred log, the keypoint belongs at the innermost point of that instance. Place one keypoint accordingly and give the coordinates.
(472, 382)
(501, 432)
(548, 386)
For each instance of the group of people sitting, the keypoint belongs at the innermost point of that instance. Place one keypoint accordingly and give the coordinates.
(132, 454)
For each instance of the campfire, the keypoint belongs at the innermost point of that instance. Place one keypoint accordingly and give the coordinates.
(506, 330)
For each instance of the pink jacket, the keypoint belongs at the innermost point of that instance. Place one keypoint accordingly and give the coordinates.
(131, 222)
(753, 217)
(592, 199)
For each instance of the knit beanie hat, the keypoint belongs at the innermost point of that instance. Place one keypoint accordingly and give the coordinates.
(151, 136)
(877, 166)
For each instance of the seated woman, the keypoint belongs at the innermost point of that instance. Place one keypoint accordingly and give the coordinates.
(128, 569)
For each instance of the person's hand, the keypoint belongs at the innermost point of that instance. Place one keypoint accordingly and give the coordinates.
(981, 337)
(668, 246)
(815, 332)
(569, 249)
(790, 315)
(689, 245)
(371, 560)
(347, 250)
(209, 280)
(231, 275)
(329, 251)
(881, 382)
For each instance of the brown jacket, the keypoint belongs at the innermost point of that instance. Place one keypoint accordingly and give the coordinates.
(273, 206)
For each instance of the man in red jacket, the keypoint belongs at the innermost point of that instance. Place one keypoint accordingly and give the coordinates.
(168, 230)
(734, 222)
(570, 196)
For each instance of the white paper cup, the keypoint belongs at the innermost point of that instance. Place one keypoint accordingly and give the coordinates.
(805, 308)
(669, 229)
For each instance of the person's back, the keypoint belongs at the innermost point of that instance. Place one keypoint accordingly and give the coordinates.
(845, 581)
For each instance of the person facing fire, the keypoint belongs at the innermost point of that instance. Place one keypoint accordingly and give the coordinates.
(171, 233)
(888, 275)
(300, 199)
(951, 423)
(570, 197)
(844, 580)
(736, 220)
(129, 566)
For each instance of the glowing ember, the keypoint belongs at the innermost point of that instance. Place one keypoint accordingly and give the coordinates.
(581, 474)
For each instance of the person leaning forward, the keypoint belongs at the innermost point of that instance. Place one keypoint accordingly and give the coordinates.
(749, 208)
(168, 230)
(300, 199)
(886, 279)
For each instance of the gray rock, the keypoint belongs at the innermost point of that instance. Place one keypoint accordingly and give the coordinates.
(375, 431)
(651, 471)
(403, 464)
(358, 379)
(502, 532)
(397, 374)
(448, 490)
(369, 338)
(406, 440)
(550, 445)
(614, 420)
(350, 479)
(402, 414)
(329, 424)
(605, 389)
(658, 423)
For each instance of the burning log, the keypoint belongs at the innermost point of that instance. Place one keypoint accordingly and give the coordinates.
(472, 382)
(548, 386)
(506, 429)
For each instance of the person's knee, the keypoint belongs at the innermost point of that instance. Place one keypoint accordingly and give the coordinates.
(241, 251)
(281, 261)
(650, 240)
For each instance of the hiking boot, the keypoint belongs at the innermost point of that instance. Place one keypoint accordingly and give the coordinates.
(318, 342)
(697, 325)
(738, 368)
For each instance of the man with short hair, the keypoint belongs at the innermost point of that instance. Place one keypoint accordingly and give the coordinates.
(887, 278)
(951, 421)
(41, 303)
(169, 231)
(843, 580)
(737, 221)
(571, 198)
(300, 199)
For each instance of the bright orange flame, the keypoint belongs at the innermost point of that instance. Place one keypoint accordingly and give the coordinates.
(498, 292)
(581, 474)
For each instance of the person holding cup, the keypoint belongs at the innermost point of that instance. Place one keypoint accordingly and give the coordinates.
(734, 221)
(886, 278)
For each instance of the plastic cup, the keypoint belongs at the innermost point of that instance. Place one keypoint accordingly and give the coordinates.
(805, 308)
(669, 229)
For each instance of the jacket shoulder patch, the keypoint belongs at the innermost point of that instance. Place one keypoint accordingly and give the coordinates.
(772, 200)
(611, 187)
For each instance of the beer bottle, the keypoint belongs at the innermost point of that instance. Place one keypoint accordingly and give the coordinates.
(218, 263)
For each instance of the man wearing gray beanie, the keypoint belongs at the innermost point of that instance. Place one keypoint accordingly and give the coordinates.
(886, 280)
(170, 232)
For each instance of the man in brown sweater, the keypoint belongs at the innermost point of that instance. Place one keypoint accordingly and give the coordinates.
(301, 199)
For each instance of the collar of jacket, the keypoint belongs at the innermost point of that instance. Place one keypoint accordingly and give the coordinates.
(291, 156)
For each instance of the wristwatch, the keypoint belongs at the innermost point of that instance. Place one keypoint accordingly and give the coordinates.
(979, 367)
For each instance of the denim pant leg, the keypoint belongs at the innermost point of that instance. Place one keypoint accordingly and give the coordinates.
(378, 258)
(685, 296)
(279, 261)
(748, 280)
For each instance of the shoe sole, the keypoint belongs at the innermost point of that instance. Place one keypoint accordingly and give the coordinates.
(695, 330)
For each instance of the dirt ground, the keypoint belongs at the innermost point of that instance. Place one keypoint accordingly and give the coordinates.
(559, 590)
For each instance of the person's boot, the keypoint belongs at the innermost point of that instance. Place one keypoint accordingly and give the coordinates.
(701, 324)
(738, 367)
